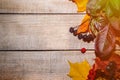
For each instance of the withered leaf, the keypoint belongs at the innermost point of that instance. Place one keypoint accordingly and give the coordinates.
(105, 42)
(84, 27)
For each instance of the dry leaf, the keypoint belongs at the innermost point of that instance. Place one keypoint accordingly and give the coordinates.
(84, 27)
(79, 71)
(105, 42)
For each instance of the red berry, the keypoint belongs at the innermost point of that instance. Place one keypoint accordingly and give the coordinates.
(83, 50)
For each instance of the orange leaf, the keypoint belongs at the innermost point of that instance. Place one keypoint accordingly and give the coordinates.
(84, 27)
(118, 40)
(81, 4)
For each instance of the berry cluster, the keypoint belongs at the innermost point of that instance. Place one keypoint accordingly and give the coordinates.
(109, 74)
(86, 37)
(73, 30)
(100, 74)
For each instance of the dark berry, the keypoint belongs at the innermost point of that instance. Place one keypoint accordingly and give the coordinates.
(108, 68)
(71, 30)
(80, 36)
(91, 37)
(112, 64)
(75, 33)
(85, 38)
(88, 39)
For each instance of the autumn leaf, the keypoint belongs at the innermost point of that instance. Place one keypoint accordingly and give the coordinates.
(86, 17)
(99, 64)
(81, 4)
(112, 8)
(84, 27)
(95, 6)
(115, 22)
(105, 42)
(118, 40)
(79, 71)
(93, 29)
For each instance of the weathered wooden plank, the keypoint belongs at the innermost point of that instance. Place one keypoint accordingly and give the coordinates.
(74, 56)
(37, 6)
(46, 77)
(39, 65)
(39, 32)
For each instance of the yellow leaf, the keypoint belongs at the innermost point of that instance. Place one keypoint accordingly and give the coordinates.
(87, 17)
(79, 71)
(81, 4)
(84, 27)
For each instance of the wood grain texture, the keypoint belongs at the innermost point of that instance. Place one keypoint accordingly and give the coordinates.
(51, 65)
(37, 6)
(39, 32)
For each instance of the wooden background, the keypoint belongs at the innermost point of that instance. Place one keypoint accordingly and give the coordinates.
(35, 43)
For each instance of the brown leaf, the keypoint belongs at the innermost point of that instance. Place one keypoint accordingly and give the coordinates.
(105, 42)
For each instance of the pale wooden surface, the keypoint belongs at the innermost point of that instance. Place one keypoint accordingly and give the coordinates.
(39, 65)
(37, 6)
(39, 32)
(48, 30)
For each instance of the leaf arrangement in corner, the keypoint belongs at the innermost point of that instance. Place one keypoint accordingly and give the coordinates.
(102, 23)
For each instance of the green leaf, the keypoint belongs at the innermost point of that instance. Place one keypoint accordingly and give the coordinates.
(115, 6)
(112, 8)
(95, 6)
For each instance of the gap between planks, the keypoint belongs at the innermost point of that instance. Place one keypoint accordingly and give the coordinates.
(47, 50)
(50, 50)
(42, 13)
